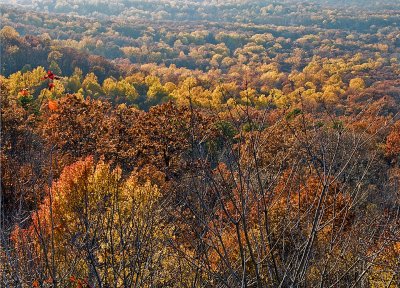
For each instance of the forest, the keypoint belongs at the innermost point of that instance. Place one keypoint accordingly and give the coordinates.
(200, 143)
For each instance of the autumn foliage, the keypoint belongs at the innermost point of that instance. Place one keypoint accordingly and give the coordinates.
(248, 152)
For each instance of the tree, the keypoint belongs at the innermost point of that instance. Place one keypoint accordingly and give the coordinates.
(156, 93)
(95, 229)
(120, 91)
(357, 84)
(283, 214)
(91, 87)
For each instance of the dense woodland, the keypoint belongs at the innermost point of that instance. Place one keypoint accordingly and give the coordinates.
(200, 144)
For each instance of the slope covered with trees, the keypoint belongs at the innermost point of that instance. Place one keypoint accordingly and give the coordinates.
(260, 148)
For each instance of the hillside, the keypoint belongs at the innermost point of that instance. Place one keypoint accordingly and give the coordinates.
(200, 144)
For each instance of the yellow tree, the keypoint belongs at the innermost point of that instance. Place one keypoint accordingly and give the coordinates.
(94, 228)
(91, 86)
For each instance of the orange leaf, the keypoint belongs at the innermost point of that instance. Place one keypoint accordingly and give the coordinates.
(24, 92)
(53, 106)
(48, 280)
